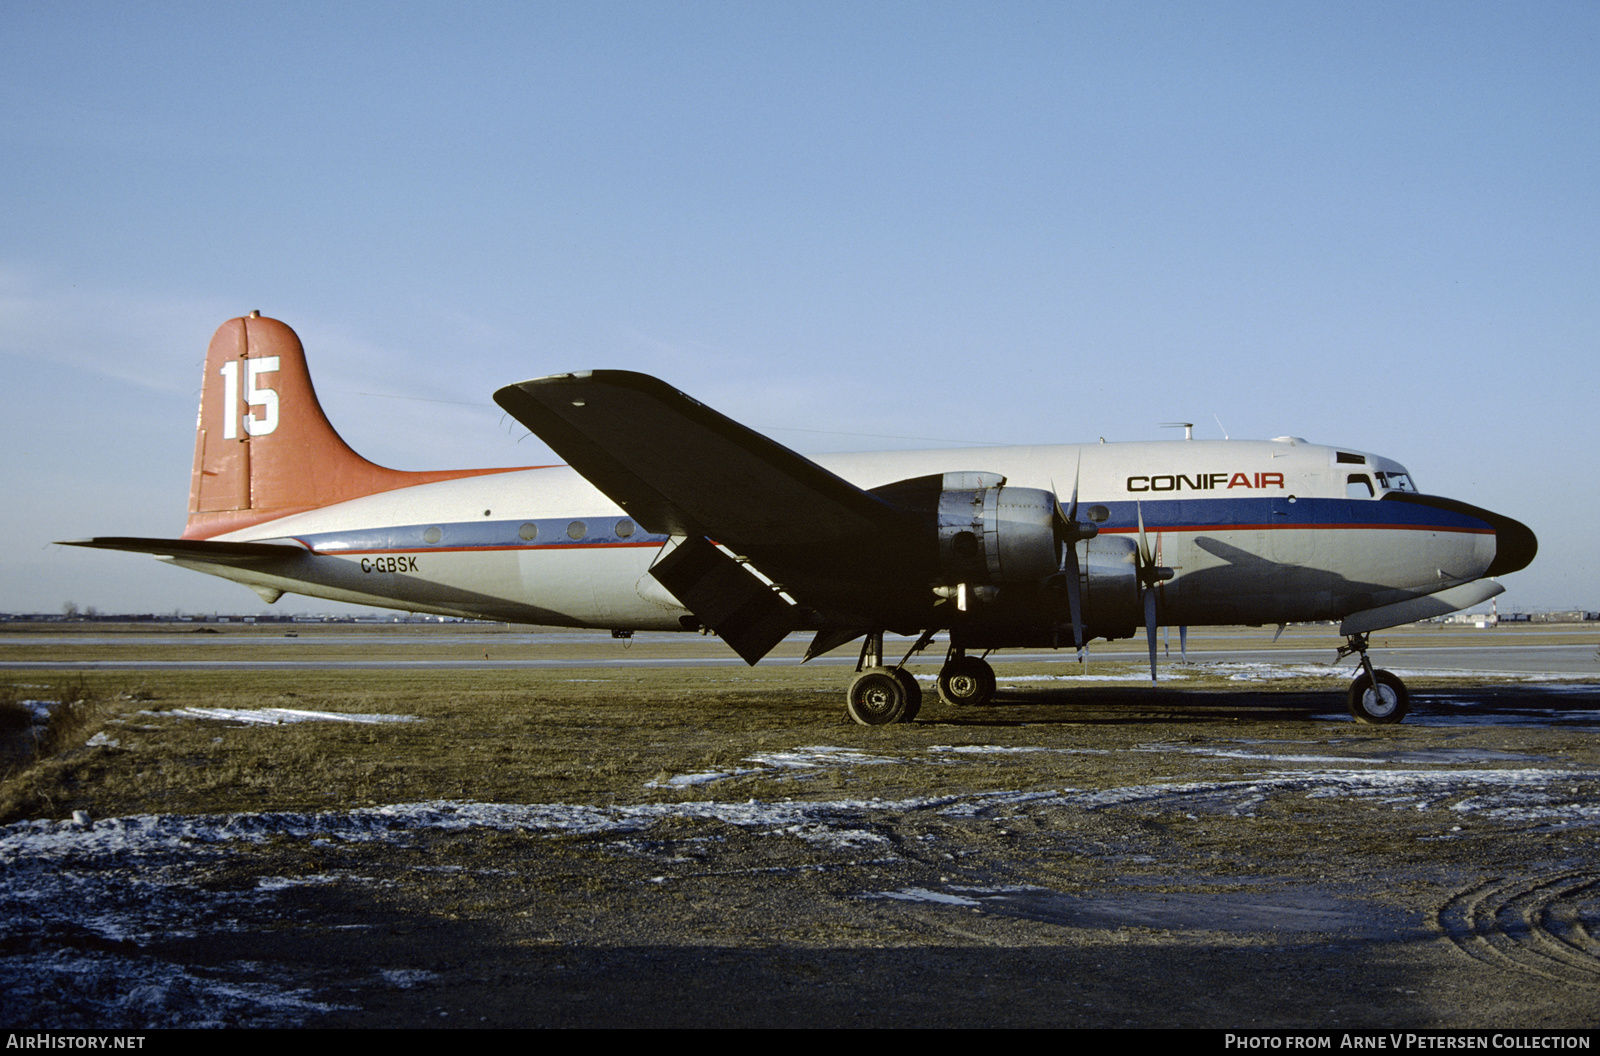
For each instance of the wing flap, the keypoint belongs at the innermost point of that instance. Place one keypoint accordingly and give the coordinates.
(746, 613)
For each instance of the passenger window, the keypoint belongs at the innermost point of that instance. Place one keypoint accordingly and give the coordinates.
(1358, 486)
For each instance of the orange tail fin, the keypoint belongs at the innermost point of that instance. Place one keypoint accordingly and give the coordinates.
(263, 448)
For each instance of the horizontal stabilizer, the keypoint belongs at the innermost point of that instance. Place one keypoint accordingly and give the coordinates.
(213, 552)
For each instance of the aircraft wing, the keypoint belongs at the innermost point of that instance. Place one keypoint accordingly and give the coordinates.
(680, 468)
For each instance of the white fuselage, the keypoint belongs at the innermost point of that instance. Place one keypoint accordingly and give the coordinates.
(1254, 531)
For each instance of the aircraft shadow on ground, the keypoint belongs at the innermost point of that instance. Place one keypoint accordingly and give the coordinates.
(364, 942)
(1562, 704)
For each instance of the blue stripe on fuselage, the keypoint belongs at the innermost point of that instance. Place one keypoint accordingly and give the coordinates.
(1249, 514)
(552, 533)
(1164, 515)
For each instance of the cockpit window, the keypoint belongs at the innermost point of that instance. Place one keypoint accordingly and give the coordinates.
(1358, 486)
(1395, 482)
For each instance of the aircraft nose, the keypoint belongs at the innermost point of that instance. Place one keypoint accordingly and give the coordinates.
(1514, 545)
(1514, 542)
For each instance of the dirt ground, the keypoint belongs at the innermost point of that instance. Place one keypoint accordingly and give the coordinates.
(690, 849)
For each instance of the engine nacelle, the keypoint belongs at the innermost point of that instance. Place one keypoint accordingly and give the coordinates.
(1110, 576)
(1001, 560)
(990, 535)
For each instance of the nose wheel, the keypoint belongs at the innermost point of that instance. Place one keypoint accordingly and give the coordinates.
(1377, 698)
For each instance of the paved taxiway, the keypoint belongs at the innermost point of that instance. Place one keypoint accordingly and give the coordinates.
(1569, 652)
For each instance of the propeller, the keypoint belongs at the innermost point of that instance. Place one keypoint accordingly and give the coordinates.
(1151, 575)
(1069, 532)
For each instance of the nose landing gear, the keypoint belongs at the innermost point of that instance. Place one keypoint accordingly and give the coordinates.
(1377, 698)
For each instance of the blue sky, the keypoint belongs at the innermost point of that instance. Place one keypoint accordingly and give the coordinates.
(1376, 225)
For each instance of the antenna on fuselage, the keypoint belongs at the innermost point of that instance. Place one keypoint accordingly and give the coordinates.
(1187, 427)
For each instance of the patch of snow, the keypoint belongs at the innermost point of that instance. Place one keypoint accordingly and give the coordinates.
(108, 991)
(1001, 749)
(922, 894)
(833, 836)
(279, 716)
(1117, 676)
(808, 758)
(1262, 671)
(40, 708)
(819, 755)
(1266, 757)
(406, 978)
(705, 777)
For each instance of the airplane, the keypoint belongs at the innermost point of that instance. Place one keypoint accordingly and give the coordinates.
(669, 516)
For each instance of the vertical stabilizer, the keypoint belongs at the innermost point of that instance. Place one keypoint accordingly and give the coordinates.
(263, 448)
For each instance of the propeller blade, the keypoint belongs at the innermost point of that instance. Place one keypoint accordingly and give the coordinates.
(1150, 629)
(1074, 588)
(1145, 560)
(1183, 642)
(1068, 533)
(1077, 474)
(1149, 572)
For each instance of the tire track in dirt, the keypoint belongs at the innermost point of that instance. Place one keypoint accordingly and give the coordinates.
(1543, 924)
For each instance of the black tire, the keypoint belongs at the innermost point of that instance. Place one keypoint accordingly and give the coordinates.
(913, 690)
(876, 698)
(966, 682)
(1384, 706)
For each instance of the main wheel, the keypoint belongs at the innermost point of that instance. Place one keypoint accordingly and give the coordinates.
(877, 697)
(908, 682)
(966, 681)
(1379, 705)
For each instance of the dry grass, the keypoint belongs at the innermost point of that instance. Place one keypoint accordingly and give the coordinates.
(575, 736)
(495, 736)
(596, 735)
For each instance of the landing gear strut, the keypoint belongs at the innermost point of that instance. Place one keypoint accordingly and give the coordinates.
(881, 695)
(1377, 698)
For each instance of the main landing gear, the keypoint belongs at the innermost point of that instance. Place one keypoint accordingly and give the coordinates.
(1377, 698)
(965, 681)
(880, 695)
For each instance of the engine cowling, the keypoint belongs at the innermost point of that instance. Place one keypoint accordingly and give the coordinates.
(995, 535)
(1001, 560)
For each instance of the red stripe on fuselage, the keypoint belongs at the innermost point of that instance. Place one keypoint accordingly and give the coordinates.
(482, 549)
